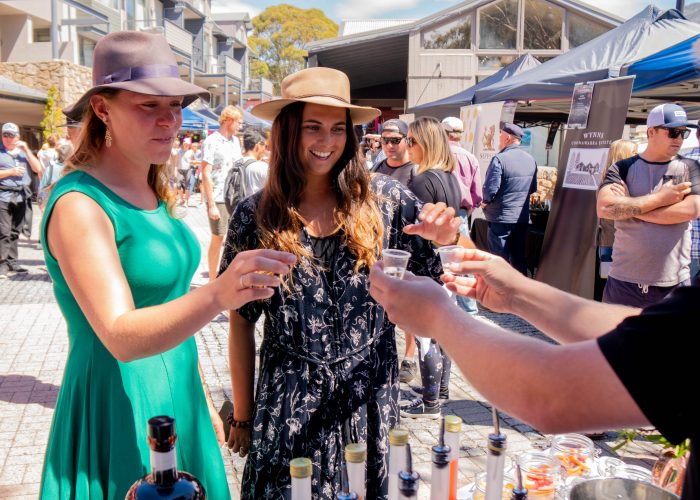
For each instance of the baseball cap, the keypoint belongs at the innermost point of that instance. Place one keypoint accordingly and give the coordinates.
(395, 125)
(452, 124)
(668, 116)
(512, 129)
(10, 127)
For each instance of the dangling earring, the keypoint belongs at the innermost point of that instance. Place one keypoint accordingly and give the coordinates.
(108, 139)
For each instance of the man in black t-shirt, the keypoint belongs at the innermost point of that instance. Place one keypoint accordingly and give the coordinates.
(606, 372)
(396, 165)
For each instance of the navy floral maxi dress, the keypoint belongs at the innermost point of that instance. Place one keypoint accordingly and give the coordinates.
(328, 363)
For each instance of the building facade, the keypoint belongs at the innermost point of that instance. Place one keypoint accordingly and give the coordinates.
(46, 43)
(435, 57)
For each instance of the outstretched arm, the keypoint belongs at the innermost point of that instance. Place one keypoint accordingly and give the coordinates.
(554, 388)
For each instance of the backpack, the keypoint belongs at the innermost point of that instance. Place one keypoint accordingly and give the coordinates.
(234, 190)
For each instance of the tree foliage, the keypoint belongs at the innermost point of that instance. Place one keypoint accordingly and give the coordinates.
(280, 33)
(52, 113)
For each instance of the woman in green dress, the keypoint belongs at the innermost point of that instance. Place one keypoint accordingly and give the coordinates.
(121, 266)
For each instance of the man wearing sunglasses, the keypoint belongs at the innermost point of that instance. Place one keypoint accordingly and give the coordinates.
(393, 141)
(15, 161)
(399, 167)
(652, 197)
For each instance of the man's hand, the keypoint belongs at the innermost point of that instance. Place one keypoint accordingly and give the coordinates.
(495, 285)
(214, 213)
(22, 145)
(416, 304)
(670, 193)
(438, 223)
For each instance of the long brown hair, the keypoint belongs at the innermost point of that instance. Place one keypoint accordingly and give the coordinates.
(433, 141)
(357, 213)
(90, 142)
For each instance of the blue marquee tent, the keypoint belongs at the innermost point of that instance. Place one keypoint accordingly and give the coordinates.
(193, 120)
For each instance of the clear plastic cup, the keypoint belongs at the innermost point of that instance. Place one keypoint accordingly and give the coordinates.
(395, 262)
(480, 486)
(450, 256)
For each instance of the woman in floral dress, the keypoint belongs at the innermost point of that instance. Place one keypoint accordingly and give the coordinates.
(328, 366)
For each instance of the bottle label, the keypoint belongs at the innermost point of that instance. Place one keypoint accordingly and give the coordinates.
(163, 461)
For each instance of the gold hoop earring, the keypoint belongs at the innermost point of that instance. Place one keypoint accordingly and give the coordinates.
(108, 139)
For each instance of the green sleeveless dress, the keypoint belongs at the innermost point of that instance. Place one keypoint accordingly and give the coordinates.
(98, 443)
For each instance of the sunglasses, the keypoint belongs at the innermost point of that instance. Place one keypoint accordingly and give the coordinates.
(9, 135)
(410, 141)
(392, 140)
(674, 133)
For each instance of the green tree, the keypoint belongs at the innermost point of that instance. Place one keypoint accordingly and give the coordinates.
(280, 33)
(52, 113)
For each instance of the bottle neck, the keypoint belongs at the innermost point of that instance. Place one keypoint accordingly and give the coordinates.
(164, 466)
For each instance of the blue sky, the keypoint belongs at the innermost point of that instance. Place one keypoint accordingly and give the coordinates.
(408, 9)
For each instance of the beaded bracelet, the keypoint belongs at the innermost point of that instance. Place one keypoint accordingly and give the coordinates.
(240, 424)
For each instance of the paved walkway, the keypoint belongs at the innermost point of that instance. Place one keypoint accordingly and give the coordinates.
(33, 348)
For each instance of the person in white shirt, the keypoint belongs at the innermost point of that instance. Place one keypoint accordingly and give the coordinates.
(219, 151)
(255, 173)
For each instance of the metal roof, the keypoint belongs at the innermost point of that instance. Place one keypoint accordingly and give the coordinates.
(353, 26)
(12, 89)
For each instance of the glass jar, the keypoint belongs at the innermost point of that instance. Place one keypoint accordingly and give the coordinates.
(575, 453)
(541, 473)
(480, 486)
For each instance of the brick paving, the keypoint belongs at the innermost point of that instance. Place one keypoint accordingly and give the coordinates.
(33, 349)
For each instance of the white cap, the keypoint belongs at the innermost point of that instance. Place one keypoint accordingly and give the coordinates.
(452, 124)
(10, 127)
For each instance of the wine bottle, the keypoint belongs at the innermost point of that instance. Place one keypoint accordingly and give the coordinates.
(495, 461)
(300, 471)
(165, 481)
(408, 478)
(453, 426)
(397, 459)
(345, 493)
(440, 478)
(356, 456)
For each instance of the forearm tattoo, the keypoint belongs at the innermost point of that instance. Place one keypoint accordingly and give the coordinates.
(622, 210)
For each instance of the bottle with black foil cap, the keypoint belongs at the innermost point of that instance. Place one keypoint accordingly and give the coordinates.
(165, 481)
(408, 478)
(440, 477)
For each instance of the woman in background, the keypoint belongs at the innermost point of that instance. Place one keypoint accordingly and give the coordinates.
(429, 148)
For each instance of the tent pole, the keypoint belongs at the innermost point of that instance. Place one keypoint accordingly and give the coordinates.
(680, 5)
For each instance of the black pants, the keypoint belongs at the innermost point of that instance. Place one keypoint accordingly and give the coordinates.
(11, 222)
(435, 369)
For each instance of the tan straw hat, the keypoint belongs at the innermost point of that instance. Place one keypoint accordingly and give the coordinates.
(325, 86)
(136, 61)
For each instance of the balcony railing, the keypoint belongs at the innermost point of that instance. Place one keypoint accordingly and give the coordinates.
(227, 65)
(178, 38)
(99, 10)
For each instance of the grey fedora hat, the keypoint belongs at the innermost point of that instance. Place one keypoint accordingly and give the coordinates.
(139, 62)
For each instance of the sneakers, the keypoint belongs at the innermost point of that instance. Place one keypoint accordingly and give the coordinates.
(417, 409)
(18, 269)
(408, 371)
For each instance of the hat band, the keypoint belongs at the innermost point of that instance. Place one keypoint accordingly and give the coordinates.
(140, 73)
(319, 95)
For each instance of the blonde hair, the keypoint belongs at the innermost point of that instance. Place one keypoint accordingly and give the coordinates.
(619, 150)
(432, 139)
(230, 113)
(91, 141)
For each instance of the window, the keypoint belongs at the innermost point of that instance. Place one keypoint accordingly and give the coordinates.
(454, 35)
(41, 35)
(544, 59)
(543, 25)
(86, 47)
(582, 30)
(498, 25)
(494, 63)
